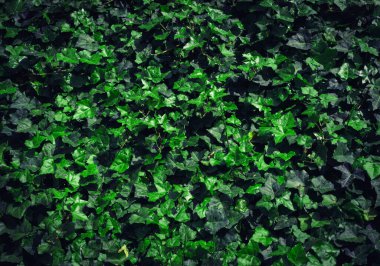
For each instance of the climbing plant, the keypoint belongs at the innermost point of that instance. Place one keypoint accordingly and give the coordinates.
(189, 132)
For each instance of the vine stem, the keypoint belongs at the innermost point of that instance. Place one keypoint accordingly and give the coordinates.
(225, 126)
(165, 51)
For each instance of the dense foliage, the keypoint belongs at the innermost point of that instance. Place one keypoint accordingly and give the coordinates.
(189, 132)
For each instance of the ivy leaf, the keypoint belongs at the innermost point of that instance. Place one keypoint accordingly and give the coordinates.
(161, 37)
(24, 126)
(285, 201)
(348, 176)
(73, 179)
(298, 41)
(35, 142)
(328, 98)
(342, 154)
(68, 55)
(216, 216)
(297, 255)
(192, 44)
(182, 216)
(122, 161)
(155, 75)
(83, 111)
(47, 167)
(365, 48)
(6, 87)
(329, 200)
(344, 72)
(300, 236)
(372, 168)
(282, 127)
(261, 236)
(88, 58)
(254, 189)
(341, 4)
(357, 123)
(322, 185)
(225, 51)
(86, 42)
(79, 215)
(217, 132)
(18, 211)
(296, 179)
(309, 91)
(351, 234)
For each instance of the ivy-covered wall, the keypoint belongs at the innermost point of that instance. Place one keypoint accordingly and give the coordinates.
(189, 132)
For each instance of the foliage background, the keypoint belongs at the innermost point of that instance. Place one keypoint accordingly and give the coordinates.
(194, 133)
